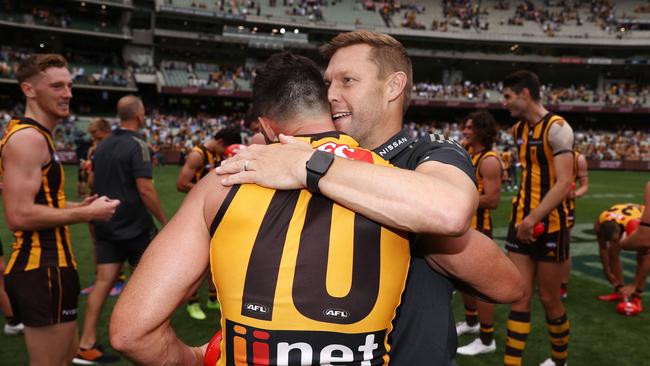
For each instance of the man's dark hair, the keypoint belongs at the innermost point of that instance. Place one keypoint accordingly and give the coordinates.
(519, 80)
(287, 85)
(229, 135)
(484, 127)
(37, 63)
(610, 230)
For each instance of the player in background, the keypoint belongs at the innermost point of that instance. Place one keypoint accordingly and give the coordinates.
(612, 226)
(480, 131)
(545, 144)
(640, 239)
(201, 160)
(579, 189)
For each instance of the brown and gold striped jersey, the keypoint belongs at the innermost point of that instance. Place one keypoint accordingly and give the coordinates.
(481, 221)
(301, 277)
(47, 247)
(538, 172)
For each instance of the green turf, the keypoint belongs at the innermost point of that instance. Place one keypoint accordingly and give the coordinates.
(599, 336)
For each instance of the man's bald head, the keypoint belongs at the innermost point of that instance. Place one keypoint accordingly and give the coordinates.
(129, 108)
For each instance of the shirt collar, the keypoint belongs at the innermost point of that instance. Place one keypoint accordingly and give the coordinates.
(394, 145)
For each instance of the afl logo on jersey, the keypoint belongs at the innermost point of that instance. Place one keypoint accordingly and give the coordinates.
(336, 313)
(256, 308)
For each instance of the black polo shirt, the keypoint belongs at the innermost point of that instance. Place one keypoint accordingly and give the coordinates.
(424, 330)
(117, 162)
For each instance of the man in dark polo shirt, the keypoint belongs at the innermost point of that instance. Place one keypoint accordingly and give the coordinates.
(122, 168)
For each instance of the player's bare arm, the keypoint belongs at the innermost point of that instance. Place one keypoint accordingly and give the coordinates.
(490, 171)
(22, 157)
(640, 275)
(603, 253)
(163, 280)
(640, 239)
(583, 177)
(416, 201)
(478, 263)
(150, 198)
(560, 138)
(184, 181)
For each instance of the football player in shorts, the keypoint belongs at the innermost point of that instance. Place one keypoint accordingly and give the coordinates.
(545, 143)
(41, 276)
(480, 131)
(201, 160)
(611, 227)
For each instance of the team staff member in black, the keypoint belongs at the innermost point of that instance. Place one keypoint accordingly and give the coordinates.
(369, 76)
(545, 143)
(122, 168)
(41, 275)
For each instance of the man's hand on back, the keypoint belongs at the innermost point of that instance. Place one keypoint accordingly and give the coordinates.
(277, 166)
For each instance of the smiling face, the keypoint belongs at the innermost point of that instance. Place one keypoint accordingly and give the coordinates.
(357, 95)
(52, 91)
(514, 102)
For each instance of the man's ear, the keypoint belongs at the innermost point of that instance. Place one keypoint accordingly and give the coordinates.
(396, 83)
(28, 89)
(266, 125)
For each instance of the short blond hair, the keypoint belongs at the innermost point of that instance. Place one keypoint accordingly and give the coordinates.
(387, 53)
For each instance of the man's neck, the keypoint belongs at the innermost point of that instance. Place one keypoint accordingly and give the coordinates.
(309, 126)
(383, 131)
(535, 113)
(129, 125)
(38, 115)
(477, 148)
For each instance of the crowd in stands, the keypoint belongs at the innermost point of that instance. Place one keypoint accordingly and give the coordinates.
(179, 133)
(616, 94)
(58, 16)
(218, 76)
(10, 58)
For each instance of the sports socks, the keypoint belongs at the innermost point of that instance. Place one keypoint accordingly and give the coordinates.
(564, 286)
(518, 330)
(559, 331)
(486, 333)
(194, 298)
(212, 294)
(471, 316)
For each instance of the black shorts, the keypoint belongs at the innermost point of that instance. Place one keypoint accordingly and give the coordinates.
(44, 296)
(118, 251)
(549, 247)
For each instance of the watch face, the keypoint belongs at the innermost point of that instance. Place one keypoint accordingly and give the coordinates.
(319, 162)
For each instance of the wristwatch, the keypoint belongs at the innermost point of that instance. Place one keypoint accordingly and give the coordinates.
(317, 166)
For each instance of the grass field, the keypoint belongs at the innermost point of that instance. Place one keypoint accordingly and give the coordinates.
(599, 336)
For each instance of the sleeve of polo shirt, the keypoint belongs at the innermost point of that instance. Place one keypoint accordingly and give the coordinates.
(141, 161)
(447, 151)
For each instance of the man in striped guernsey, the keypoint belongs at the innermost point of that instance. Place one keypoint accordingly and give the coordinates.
(545, 143)
(480, 131)
(611, 227)
(581, 180)
(640, 239)
(41, 276)
(200, 161)
(301, 280)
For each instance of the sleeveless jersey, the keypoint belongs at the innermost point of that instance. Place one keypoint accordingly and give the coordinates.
(538, 173)
(208, 162)
(481, 220)
(506, 159)
(622, 213)
(571, 202)
(302, 280)
(47, 247)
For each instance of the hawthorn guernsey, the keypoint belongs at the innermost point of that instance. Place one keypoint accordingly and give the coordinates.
(302, 280)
